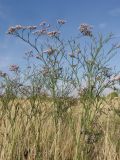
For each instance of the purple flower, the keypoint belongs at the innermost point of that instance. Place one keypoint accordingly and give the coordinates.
(11, 30)
(40, 32)
(31, 27)
(50, 51)
(18, 27)
(53, 33)
(61, 21)
(85, 29)
(14, 68)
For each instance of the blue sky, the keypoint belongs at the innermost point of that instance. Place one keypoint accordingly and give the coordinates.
(104, 15)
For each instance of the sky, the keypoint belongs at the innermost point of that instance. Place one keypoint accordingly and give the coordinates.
(103, 15)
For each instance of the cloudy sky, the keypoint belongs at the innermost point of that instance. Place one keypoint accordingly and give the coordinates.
(104, 15)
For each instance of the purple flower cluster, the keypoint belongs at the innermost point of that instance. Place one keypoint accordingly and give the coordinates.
(53, 33)
(14, 68)
(50, 51)
(85, 29)
(61, 21)
(13, 30)
(40, 32)
(43, 30)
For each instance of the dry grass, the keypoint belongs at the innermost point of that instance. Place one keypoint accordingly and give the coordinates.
(28, 133)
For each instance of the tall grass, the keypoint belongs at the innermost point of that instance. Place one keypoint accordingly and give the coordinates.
(56, 109)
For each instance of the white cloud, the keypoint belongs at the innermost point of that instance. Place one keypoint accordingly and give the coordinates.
(115, 12)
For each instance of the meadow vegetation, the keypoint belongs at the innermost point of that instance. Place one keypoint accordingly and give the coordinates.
(56, 108)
